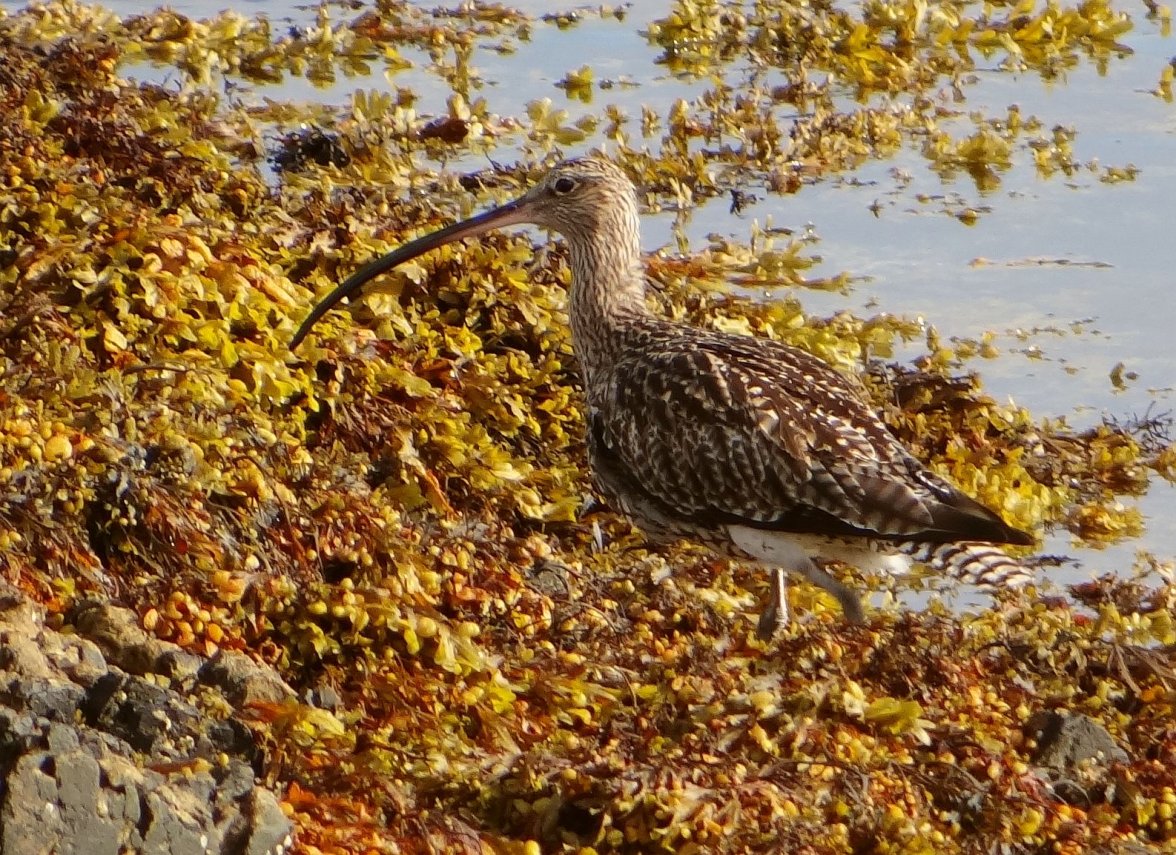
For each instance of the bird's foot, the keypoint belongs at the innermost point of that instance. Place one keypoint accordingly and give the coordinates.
(775, 616)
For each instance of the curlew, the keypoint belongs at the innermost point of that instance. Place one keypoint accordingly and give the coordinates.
(753, 447)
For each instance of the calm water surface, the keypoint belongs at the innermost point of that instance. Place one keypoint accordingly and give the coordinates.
(1119, 241)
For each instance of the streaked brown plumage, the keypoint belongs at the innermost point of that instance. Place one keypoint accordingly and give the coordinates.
(746, 444)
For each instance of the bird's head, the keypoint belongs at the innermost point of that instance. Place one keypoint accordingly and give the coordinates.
(588, 200)
(578, 198)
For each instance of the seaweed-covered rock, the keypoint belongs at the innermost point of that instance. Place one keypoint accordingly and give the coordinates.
(1068, 740)
(1074, 752)
(117, 633)
(242, 680)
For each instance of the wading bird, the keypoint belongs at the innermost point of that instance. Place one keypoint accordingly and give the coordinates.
(753, 447)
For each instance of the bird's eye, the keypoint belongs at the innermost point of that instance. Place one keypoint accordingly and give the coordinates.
(563, 186)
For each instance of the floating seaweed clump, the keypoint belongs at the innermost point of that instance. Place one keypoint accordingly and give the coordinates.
(399, 514)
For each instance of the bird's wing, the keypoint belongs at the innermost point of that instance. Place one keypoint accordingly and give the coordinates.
(732, 430)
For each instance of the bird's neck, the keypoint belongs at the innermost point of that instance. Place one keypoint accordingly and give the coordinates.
(607, 291)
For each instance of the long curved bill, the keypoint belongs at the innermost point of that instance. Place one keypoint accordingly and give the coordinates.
(509, 214)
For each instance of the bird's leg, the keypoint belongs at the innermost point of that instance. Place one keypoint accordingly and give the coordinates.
(775, 616)
(851, 604)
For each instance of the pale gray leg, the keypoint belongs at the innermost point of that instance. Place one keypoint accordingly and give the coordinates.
(851, 604)
(775, 616)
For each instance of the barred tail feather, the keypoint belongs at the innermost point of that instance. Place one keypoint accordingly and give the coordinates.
(974, 562)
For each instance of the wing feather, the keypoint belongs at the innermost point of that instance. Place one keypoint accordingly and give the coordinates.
(727, 429)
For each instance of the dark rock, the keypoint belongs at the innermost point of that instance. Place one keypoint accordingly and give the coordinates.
(232, 737)
(151, 719)
(159, 722)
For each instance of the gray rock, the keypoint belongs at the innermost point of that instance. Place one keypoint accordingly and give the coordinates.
(29, 817)
(175, 823)
(79, 658)
(1073, 754)
(117, 633)
(28, 650)
(266, 828)
(180, 667)
(243, 681)
(42, 698)
(21, 653)
(18, 734)
(54, 803)
(83, 805)
(1066, 740)
(159, 722)
(93, 784)
(62, 738)
(324, 697)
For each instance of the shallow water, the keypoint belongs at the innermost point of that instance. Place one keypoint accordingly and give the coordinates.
(916, 260)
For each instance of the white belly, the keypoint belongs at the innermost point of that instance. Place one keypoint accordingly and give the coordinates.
(794, 551)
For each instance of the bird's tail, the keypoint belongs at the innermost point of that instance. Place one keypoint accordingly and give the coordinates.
(973, 562)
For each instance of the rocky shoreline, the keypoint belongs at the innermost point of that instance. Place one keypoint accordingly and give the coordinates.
(105, 749)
